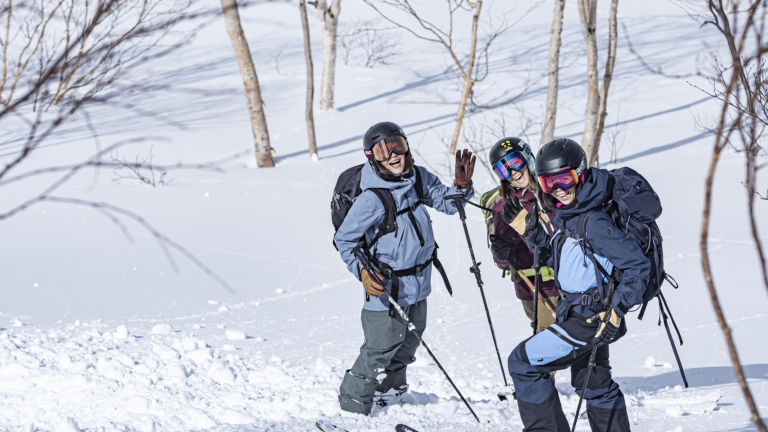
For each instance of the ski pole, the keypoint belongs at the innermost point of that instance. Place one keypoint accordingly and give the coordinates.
(536, 268)
(372, 271)
(592, 363)
(475, 269)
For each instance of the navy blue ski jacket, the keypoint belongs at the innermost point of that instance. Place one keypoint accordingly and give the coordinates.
(611, 246)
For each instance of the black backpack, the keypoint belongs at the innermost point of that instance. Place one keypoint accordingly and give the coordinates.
(634, 208)
(348, 188)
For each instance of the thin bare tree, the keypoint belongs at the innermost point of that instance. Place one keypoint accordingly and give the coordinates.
(435, 33)
(597, 96)
(41, 31)
(250, 82)
(553, 67)
(329, 17)
(309, 113)
(742, 89)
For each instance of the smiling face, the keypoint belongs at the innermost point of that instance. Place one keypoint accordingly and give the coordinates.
(395, 164)
(565, 197)
(520, 179)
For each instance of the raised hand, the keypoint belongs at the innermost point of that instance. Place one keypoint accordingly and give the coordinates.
(465, 167)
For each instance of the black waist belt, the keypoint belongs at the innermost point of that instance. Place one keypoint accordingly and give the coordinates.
(414, 271)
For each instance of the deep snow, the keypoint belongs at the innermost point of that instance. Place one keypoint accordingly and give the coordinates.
(100, 334)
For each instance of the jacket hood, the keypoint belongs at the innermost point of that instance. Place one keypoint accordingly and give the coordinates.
(595, 192)
(371, 179)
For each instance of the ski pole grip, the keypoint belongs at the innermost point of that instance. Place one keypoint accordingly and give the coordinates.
(357, 252)
(457, 200)
(537, 258)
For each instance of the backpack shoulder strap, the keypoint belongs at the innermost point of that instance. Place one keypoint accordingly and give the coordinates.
(389, 224)
(419, 185)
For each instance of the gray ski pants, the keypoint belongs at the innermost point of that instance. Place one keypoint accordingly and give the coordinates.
(388, 348)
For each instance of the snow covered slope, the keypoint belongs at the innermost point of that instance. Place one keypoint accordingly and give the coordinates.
(101, 334)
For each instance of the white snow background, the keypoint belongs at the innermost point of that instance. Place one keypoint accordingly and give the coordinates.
(97, 334)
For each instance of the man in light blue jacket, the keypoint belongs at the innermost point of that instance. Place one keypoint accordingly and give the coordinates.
(389, 348)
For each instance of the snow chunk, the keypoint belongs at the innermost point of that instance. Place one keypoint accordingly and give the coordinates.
(321, 366)
(67, 425)
(674, 411)
(235, 335)
(17, 322)
(279, 291)
(136, 405)
(650, 362)
(235, 417)
(121, 332)
(212, 302)
(223, 308)
(200, 356)
(165, 351)
(162, 329)
(221, 374)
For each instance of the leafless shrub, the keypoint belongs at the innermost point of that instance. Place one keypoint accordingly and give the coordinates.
(424, 27)
(368, 45)
(616, 136)
(91, 47)
(276, 59)
(110, 36)
(140, 170)
(479, 134)
(741, 86)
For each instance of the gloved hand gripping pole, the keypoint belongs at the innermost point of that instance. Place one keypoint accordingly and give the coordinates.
(475, 269)
(358, 252)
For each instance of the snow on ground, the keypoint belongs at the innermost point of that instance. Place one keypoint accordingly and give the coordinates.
(100, 334)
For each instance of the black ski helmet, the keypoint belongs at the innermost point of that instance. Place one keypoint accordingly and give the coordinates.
(560, 155)
(380, 131)
(509, 145)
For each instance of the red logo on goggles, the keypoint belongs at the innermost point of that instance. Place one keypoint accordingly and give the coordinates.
(564, 180)
(511, 162)
(383, 149)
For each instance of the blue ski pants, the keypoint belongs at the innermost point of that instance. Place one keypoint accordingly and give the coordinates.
(558, 347)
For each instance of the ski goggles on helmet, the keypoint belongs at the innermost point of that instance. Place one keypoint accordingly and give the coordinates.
(511, 162)
(383, 149)
(564, 180)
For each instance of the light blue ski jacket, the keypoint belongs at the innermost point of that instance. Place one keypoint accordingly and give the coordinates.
(400, 249)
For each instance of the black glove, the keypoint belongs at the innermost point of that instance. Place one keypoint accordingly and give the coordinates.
(512, 208)
(606, 331)
(500, 249)
(532, 223)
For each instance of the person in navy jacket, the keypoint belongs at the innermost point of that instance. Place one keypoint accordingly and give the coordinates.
(570, 189)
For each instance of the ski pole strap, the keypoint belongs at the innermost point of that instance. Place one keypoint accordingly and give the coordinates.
(662, 314)
(546, 273)
(443, 274)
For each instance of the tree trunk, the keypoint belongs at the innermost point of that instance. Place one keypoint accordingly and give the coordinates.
(607, 77)
(548, 132)
(310, 81)
(329, 16)
(250, 82)
(587, 15)
(467, 75)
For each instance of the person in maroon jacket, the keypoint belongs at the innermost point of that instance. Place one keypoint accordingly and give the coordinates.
(512, 160)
